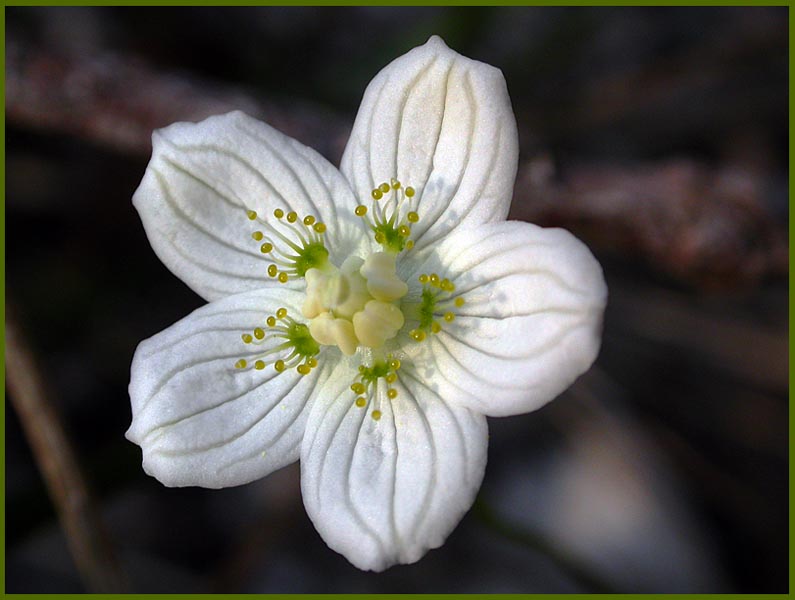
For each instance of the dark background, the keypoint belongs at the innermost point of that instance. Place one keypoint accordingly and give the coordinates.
(658, 135)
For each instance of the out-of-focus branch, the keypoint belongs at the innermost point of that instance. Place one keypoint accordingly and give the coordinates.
(117, 101)
(56, 461)
(709, 227)
(571, 564)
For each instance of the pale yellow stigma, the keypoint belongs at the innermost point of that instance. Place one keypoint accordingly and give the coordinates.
(355, 305)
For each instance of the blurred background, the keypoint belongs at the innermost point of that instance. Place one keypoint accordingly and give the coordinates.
(658, 135)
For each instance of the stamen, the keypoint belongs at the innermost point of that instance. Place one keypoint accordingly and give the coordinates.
(294, 345)
(293, 245)
(393, 213)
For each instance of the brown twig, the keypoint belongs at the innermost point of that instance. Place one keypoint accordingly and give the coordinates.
(708, 227)
(56, 461)
(117, 100)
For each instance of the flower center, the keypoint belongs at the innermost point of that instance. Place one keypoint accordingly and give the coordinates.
(361, 303)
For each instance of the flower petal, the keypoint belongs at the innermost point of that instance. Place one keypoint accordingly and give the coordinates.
(385, 492)
(443, 124)
(199, 420)
(204, 176)
(531, 322)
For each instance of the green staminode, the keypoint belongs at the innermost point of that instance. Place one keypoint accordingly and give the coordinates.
(294, 245)
(301, 340)
(389, 237)
(294, 343)
(312, 256)
(393, 212)
(427, 308)
(372, 374)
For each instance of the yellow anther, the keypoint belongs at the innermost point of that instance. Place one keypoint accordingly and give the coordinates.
(259, 365)
(435, 327)
(247, 339)
(384, 187)
(311, 361)
(360, 210)
(303, 369)
(391, 393)
(265, 249)
(413, 217)
(417, 335)
(358, 387)
(409, 244)
(376, 194)
(257, 235)
(271, 321)
(273, 270)
(292, 216)
(360, 402)
(279, 366)
(380, 237)
(259, 333)
(447, 285)
(376, 414)
(391, 378)
(434, 279)
(278, 213)
(409, 192)
(320, 227)
(404, 230)
(394, 364)
(309, 220)
(449, 317)
(459, 302)
(241, 364)
(251, 215)
(283, 277)
(281, 313)
(423, 279)
(395, 184)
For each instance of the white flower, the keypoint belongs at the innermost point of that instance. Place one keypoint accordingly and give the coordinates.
(378, 315)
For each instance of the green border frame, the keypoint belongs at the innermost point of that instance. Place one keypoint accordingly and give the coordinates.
(575, 3)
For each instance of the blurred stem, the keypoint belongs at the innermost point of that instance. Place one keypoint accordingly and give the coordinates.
(572, 565)
(59, 468)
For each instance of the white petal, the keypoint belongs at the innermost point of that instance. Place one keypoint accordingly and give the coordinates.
(531, 323)
(204, 176)
(199, 420)
(443, 124)
(385, 492)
